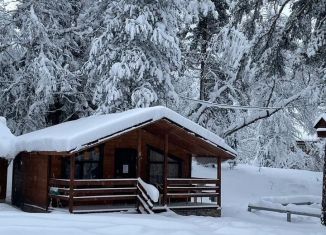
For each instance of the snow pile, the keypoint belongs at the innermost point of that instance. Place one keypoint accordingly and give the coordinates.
(74, 135)
(151, 190)
(7, 141)
(293, 199)
(288, 203)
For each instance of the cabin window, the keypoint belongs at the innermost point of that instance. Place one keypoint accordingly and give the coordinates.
(88, 164)
(156, 166)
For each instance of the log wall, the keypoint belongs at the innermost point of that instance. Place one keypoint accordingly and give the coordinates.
(30, 182)
(130, 140)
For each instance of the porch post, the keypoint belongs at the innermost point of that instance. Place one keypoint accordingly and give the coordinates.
(48, 181)
(71, 183)
(166, 170)
(219, 177)
(3, 178)
(139, 150)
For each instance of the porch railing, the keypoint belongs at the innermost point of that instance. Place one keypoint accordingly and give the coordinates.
(100, 191)
(192, 189)
(112, 193)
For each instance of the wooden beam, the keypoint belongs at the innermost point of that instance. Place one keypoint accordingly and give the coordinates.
(52, 153)
(102, 182)
(183, 181)
(219, 177)
(71, 183)
(48, 180)
(187, 140)
(190, 145)
(139, 150)
(166, 168)
(190, 165)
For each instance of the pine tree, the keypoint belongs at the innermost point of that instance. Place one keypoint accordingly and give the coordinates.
(275, 63)
(136, 55)
(50, 90)
(283, 73)
(9, 55)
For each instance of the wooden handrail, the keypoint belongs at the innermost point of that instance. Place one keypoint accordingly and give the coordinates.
(101, 190)
(188, 188)
(59, 182)
(144, 199)
(93, 182)
(192, 181)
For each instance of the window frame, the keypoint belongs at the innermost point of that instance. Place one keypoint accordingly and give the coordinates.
(174, 160)
(65, 164)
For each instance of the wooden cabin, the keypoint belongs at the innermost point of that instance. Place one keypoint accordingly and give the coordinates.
(320, 125)
(100, 164)
(3, 178)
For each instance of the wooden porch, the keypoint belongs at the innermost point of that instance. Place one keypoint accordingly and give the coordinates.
(114, 195)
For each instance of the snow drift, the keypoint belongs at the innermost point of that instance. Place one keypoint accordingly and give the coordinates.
(7, 141)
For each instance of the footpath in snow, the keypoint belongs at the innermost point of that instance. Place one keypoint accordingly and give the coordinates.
(240, 186)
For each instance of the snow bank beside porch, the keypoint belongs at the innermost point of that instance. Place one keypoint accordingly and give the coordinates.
(7, 141)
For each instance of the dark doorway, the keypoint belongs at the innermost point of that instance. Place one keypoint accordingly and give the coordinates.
(125, 163)
(17, 182)
(3, 178)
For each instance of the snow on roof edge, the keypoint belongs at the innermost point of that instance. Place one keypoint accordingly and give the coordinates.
(51, 138)
(87, 145)
(108, 137)
(221, 143)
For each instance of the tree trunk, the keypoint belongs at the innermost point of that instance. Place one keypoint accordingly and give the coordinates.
(323, 202)
(204, 41)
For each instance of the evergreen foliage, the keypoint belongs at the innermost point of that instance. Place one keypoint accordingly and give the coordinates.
(62, 60)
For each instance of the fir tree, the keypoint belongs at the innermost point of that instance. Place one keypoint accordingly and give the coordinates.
(49, 90)
(135, 55)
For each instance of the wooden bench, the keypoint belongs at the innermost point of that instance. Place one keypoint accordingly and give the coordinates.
(288, 212)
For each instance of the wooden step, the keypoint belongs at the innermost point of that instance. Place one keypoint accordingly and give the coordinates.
(86, 211)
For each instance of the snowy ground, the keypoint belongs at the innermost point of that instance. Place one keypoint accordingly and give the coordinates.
(240, 185)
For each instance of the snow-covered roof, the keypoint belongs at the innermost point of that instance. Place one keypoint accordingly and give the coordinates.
(74, 135)
(7, 141)
(322, 117)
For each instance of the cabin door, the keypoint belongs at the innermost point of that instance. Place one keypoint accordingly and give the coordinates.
(17, 182)
(125, 163)
(3, 178)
